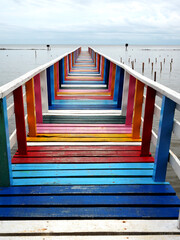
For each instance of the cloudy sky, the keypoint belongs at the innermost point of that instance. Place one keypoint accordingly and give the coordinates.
(90, 21)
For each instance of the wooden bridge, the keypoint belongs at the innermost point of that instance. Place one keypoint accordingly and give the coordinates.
(83, 166)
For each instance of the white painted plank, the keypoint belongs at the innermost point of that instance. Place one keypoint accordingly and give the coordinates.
(44, 93)
(10, 110)
(176, 128)
(163, 90)
(26, 120)
(125, 93)
(83, 112)
(98, 237)
(175, 163)
(154, 138)
(11, 86)
(157, 111)
(90, 226)
(13, 139)
(84, 143)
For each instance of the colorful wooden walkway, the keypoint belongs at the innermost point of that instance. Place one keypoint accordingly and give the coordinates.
(83, 158)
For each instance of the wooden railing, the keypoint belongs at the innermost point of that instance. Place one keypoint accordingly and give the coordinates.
(132, 90)
(36, 89)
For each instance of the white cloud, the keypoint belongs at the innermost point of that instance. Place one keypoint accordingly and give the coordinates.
(106, 20)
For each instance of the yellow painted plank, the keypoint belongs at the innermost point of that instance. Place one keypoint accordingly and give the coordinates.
(56, 139)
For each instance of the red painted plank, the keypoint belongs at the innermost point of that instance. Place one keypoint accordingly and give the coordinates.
(20, 121)
(130, 104)
(83, 160)
(82, 153)
(100, 148)
(148, 121)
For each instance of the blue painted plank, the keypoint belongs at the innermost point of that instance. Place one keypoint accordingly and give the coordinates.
(120, 92)
(84, 102)
(89, 189)
(50, 83)
(164, 138)
(90, 212)
(5, 152)
(96, 200)
(64, 166)
(84, 181)
(87, 107)
(82, 173)
(106, 71)
(116, 85)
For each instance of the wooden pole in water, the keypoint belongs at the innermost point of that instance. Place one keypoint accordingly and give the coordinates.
(154, 76)
(143, 67)
(156, 60)
(149, 60)
(132, 64)
(160, 66)
(170, 66)
(152, 65)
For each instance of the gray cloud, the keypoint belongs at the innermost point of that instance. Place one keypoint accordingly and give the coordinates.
(104, 21)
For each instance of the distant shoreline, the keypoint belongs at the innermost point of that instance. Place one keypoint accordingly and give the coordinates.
(23, 48)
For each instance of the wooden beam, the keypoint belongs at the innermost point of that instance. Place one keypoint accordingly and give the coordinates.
(164, 139)
(37, 90)
(5, 153)
(148, 121)
(20, 120)
(137, 109)
(31, 107)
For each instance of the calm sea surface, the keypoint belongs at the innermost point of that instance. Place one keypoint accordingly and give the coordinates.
(16, 60)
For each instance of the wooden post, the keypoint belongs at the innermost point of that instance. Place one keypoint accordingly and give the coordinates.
(5, 152)
(154, 76)
(160, 66)
(132, 65)
(137, 109)
(170, 66)
(113, 79)
(164, 139)
(149, 60)
(118, 89)
(31, 108)
(56, 78)
(125, 93)
(50, 83)
(20, 121)
(130, 104)
(44, 94)
(148, 121)
(152, 66)
(37, 89)
(143, 67)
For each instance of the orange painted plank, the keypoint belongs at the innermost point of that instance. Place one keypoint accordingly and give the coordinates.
(139, 90)
(30, 99)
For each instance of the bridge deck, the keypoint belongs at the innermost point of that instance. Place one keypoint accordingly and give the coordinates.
(85, 165)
